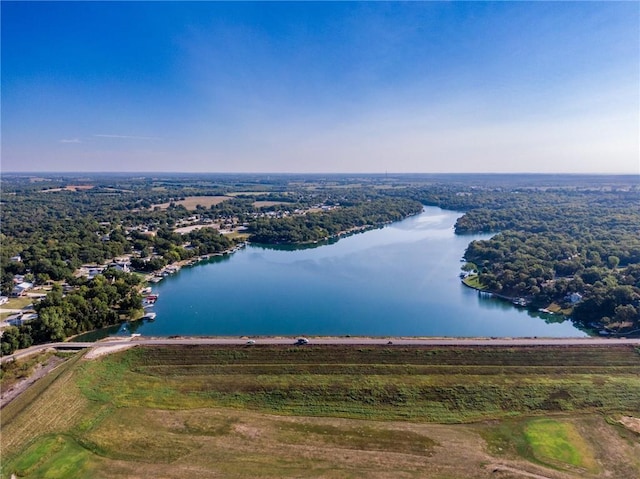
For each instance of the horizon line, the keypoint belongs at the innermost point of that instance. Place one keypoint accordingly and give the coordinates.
(285, 173)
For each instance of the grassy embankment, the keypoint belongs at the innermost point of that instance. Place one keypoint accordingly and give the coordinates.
(473, 281)
(339, 412)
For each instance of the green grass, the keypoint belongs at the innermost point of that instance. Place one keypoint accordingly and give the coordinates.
(558, 443)
(17, 303)
(53, 457)
(32, 393)
(473, 281)
(362, 438)
(446, 385)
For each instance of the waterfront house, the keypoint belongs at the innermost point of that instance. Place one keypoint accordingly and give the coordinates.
(574, 298)
(21, 289)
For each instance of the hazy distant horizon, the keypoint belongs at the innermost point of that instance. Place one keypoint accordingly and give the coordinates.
(311, 173)
(315, 87)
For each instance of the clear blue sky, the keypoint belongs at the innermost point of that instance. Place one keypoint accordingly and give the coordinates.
(321, 87)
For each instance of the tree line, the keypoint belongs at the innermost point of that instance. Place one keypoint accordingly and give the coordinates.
(320, 226)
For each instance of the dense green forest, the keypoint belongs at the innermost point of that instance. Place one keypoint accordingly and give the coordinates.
(323, 225)
(555, 236)
(552, 243)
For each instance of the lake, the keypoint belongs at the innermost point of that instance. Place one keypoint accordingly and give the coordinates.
(400, 280)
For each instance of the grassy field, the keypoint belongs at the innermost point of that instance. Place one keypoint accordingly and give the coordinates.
(331, 411)
(191, 202)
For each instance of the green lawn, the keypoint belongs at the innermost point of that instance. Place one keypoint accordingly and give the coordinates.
(559, 443)
(473, 281)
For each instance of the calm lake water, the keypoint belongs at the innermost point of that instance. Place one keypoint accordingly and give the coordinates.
(400, 280)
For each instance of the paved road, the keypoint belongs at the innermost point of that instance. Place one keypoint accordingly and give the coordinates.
(334, 341)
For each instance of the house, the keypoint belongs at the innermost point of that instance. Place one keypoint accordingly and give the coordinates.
(21, 289)
(92, 272)
(124, 266)
(20, 319)
(573, 298)
(16, 259)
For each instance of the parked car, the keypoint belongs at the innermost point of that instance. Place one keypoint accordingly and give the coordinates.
(251, 341)
(302, 341)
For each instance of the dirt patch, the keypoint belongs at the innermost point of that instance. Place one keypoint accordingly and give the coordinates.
(631, 422)
(247, 431)
(73, 188)
(495, 468)
(104, 350)
(189, 229)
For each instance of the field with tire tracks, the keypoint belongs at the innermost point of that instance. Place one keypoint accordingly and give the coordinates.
(331, 411)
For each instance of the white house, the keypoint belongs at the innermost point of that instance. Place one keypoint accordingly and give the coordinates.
(574, 298)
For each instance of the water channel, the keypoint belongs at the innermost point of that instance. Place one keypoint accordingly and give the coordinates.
(400, 280)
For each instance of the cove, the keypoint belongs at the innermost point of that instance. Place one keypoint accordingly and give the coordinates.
(400, 280)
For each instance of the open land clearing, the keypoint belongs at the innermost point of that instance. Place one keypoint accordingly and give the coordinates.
(331, 411)
(268, 204)
(190, 202)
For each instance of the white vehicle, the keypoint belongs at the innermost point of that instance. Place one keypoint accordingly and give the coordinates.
(251, 341)
(302, 341)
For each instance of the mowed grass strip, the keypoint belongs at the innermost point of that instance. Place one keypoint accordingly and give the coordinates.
(364, 438)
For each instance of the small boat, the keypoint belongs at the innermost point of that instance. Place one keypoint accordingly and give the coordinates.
(149, 316)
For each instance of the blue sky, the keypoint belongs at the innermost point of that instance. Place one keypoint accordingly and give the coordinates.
(321, 87)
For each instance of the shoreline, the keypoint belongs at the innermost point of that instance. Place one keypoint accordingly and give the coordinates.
(172, 268)
(598, 331)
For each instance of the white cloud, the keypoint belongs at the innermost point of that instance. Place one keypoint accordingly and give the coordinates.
(71, 140)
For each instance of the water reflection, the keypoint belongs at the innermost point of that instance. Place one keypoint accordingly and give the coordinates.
(401, 280)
